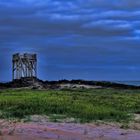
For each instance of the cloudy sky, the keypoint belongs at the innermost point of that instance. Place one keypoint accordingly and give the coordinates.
(74, 39)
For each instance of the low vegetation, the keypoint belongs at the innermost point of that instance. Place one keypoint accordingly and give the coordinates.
(85, 105)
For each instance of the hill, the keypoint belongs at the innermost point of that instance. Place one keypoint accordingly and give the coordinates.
(35, 83)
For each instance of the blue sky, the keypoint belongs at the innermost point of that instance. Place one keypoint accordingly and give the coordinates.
(74, 39)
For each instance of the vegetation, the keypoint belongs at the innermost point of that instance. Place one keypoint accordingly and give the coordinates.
(86, 105)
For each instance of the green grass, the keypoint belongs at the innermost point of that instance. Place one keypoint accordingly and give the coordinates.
(86, 105)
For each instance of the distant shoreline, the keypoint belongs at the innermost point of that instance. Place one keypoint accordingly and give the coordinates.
(40, 84)
(130, 82)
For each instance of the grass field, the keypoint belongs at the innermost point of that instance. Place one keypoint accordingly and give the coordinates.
(85, 105)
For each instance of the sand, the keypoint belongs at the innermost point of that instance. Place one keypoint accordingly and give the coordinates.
(12, 130)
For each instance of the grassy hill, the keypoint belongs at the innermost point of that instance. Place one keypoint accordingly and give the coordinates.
(83, 104)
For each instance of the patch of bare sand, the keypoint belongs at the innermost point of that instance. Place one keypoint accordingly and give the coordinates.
(82, 86)
(12, 130)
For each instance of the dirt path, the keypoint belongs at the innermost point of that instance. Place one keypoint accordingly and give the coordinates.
(63, 131)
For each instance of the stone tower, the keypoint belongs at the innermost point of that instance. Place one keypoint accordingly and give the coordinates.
(24, 65)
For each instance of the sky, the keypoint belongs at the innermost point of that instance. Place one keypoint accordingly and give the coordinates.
(74, 39)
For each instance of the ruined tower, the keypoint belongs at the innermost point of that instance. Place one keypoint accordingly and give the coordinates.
(24, 65)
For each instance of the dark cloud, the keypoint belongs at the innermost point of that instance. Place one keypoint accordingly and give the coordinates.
(92, 39)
